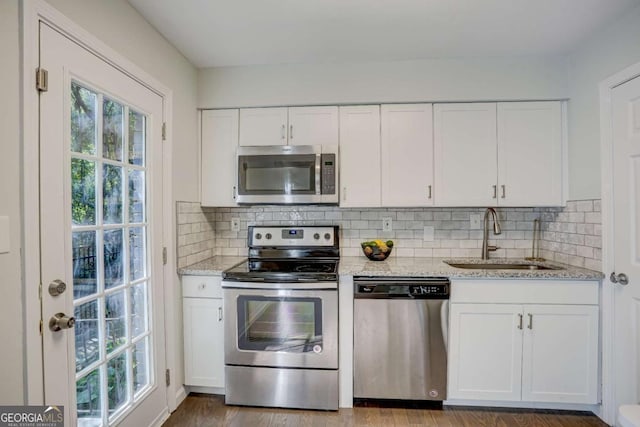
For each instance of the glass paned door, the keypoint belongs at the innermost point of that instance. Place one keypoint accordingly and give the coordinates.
(110, 256)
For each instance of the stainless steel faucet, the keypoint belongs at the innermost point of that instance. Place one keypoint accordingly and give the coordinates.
(496, 230)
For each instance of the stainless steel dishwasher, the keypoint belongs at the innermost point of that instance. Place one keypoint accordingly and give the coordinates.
(400, 337)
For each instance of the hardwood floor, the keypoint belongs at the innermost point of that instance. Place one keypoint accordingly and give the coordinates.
(208, 410)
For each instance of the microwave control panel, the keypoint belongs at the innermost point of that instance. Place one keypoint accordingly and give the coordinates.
(328, 172)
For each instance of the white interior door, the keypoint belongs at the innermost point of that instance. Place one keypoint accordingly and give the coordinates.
(101, 234)
(626, 196)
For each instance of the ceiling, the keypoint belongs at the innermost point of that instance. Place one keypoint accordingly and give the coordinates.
(218, 33)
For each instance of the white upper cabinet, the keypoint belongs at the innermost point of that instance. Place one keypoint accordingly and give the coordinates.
(360, 176)
(465, 154)
(407, 155)
(530, 153)
(292, 126)
(499, 154)
(218, 157)
(263, 126)
(313, 126)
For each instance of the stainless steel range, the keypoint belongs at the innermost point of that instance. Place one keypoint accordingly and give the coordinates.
(281, 337)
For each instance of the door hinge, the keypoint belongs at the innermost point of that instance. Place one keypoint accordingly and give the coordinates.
(41, 327)
(42, 80)
(164, 256)
(40, 291)
(167, 377)
(164, 131)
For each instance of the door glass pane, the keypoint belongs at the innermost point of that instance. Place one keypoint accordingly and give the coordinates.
(138, 309)
(291, 325)
(137, 265)
(140, 365)
(89, 399)
(113, 258)
(84, 263)
(112, 130)
(87, 335)
(112, 194)
(84, 132)
(115, 321)
(83, 192)
(136, 138)
(136, 196)
(109, 245)
(117, 374)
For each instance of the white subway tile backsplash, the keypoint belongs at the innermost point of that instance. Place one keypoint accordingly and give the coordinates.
(570, 235)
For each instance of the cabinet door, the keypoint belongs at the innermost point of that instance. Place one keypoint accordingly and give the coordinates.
(263, 126)
(485, 352)
(203, 342)
(530, 153)
(465, 154)
(560, 354)
(313, 126)
(360, 156)
(407, 155)
(218, 157)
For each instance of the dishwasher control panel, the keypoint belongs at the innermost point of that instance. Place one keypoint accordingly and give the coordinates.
(432, 288)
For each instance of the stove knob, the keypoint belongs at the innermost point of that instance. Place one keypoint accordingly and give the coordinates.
(268, 236)
(327, 236)
(258, 236)
(316, 236)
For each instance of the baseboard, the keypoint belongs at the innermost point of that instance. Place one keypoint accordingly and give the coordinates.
(181, 395)
(160, 419)
(205, 390)
(525, 405)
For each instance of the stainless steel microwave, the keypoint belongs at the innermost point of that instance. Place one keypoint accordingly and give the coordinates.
(288, 174)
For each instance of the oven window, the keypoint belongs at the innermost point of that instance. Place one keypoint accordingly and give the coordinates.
(283, 174)
(292, 325)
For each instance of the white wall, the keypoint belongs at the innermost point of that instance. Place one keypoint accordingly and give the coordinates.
(11, 334)
(403, 81)
(599, 57)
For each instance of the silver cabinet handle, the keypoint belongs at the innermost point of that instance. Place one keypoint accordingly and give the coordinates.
(495, 191)
(519, 320)
(429, 192)
(621, 278)
(344, 194)
(219, 314)
(290, 131)
(233, 192)
(530, 325)
(282, 135)
(504, 191)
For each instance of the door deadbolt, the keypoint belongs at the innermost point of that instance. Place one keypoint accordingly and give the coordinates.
(57, 287)
(61, 321)
(619, 278)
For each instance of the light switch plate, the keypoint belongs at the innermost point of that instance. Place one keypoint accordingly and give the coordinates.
(387, 224)
(235, 224)
(5, 240)
(429, 232)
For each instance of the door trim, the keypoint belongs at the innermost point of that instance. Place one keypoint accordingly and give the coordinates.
(608, 408)
(32, 12)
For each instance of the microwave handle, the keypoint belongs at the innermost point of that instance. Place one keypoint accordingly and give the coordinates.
(318, 173)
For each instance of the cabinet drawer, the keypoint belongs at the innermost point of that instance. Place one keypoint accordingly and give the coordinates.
(202, 286)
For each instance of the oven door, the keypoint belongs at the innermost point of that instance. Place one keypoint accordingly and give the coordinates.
(281, 328)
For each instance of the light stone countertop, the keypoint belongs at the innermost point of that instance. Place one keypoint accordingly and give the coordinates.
(404, 266)
(211, 266)
(400, 266)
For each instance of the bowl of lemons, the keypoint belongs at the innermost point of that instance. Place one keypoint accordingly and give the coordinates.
(377, 250)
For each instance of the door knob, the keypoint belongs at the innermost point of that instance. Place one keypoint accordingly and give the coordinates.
(57, 287)
(619, 278)
(61, 321)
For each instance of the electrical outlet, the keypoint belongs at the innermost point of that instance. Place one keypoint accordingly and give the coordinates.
(474, 221)
(429, 232)
(387, 224)
(235, 224)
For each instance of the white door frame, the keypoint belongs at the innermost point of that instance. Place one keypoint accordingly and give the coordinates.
(31, 13)
(609, 408)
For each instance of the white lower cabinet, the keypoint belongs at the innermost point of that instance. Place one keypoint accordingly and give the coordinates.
(524, 352)
(203, 331)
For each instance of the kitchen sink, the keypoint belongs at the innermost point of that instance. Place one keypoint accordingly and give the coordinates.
(502, 266)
